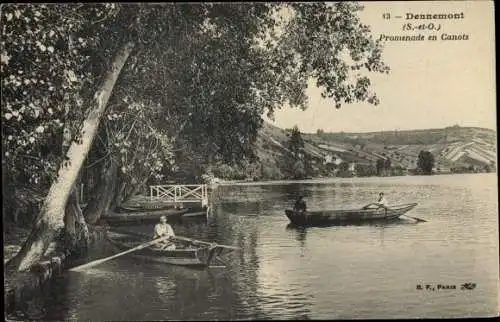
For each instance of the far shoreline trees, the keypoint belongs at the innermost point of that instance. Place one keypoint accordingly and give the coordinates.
(425, 162)
(383, 167)
(295, 158)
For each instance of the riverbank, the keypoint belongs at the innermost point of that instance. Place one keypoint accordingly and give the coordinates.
(13, 238)
(23, 289)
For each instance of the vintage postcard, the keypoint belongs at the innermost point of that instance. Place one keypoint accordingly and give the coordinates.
(249, 160)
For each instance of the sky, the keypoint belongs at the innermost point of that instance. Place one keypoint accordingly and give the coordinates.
(432, 84)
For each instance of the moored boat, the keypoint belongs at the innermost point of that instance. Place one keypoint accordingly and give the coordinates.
(146, 207)
(197, 212)
(114, 218)
(332, 217)
(186, 254)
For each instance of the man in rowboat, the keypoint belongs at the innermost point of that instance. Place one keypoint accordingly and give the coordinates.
(163, 229)
(300, 205)
(381, 202)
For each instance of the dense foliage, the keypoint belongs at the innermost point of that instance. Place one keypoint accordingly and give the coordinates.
(296, 158)
(191, 95)
(47, 71)
(425, 162)
(383, 166)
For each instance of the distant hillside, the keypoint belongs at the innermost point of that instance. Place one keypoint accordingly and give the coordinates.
(414, 137)
(453, 148)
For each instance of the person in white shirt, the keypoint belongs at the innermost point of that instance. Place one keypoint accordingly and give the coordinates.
(163, 229)
(381, 202)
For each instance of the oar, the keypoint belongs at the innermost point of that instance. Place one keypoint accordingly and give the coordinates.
(202, 242)
(100, 261)
(417, 219)
(176, 237)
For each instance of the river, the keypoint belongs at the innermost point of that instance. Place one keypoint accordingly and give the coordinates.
(343, 272)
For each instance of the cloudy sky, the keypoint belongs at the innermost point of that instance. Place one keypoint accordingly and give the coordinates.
(432, 84)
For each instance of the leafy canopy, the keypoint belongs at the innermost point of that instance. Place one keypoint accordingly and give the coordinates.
(194, 89)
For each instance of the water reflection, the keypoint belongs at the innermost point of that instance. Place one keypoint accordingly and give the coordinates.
(300, 233)
(362, 270)
(293, 191)
(382, 229)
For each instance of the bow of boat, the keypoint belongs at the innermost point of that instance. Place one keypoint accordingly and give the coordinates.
(402, 209)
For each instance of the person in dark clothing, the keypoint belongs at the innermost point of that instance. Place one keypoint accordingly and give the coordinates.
(300, 205)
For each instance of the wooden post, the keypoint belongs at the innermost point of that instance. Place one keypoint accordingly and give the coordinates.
(81, 193)
(203, 196)
(206, 194)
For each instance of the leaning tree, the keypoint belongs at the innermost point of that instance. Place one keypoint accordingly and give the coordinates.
(141, 86)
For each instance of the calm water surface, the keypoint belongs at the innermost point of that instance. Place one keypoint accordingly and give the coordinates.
(349, 272)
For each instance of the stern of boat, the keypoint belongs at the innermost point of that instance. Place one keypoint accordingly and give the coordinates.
(408, 207)
(206, 255)
(297, 218)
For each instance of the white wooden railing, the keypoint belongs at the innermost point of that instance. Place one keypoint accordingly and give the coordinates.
(180, 193)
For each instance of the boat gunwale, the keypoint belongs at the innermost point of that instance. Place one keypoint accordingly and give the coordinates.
(197, 260)
(139, 240)
(392, 209)
(320, 218)
(114, 218)
(145, 208)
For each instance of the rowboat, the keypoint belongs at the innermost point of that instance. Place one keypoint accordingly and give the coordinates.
(332, 217)
(145, 207)
(114, 218)
(186, 253)
(197, 212)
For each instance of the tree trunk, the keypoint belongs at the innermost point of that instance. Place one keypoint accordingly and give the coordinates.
(51, 217)
(120, 194)
(127, 190)
(76, 230)
(136, 188)
(101, 201)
